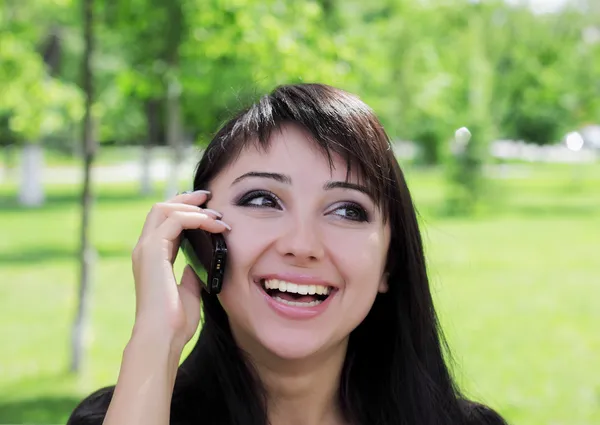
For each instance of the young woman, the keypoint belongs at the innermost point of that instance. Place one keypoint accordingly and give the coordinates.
(325, 316)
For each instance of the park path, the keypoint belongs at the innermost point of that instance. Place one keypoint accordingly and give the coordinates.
(129, 171)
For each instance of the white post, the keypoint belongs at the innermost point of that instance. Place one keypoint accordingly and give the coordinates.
(31, 190)
(145, 171)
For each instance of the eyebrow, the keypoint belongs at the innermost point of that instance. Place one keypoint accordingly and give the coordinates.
(346, 185)
(282, 178)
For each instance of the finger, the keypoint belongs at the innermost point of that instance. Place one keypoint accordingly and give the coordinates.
(177, 221)
(189, 294)
(197, 197)
(162, 210)
(158, 213)
(170, 231)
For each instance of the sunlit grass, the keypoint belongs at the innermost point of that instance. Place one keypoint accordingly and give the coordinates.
(517, 290)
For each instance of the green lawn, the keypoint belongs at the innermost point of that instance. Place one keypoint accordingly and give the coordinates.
(517, 289)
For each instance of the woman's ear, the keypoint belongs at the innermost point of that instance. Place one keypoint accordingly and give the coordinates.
(383, 284)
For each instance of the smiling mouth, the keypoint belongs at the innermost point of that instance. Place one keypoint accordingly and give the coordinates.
(294, 294)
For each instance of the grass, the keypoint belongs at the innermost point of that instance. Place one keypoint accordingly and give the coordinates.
(516, 287)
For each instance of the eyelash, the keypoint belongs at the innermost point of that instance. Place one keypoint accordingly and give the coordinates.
(363, 216)
(244, 201)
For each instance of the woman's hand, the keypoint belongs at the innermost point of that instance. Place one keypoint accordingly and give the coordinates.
(164, 309)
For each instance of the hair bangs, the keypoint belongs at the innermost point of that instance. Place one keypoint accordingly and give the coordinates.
(338, 122)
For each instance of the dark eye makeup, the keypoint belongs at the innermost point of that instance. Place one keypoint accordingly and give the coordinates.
(248, 199)
(265, 199)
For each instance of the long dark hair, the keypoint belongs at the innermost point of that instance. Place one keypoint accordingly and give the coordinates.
(396, 367)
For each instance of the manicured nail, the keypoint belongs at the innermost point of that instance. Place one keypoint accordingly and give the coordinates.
(215, 213)
(227, 226)
(203, 192)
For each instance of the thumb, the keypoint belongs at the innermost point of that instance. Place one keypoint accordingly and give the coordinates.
(190, 283)
(189, 294)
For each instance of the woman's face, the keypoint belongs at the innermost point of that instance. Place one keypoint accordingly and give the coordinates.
(307, 249)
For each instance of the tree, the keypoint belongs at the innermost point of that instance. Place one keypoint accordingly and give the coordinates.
(176, 29)
(34, 102)
(466, 177)
(147, 34)
(86, 252)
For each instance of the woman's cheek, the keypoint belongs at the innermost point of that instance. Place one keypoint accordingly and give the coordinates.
(358, 254)
(246, 241)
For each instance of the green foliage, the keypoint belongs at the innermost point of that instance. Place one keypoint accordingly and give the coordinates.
(410, 60)
(546, 75)
(35, 103)
(465, 174)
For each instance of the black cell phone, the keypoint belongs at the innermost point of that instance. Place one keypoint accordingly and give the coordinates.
(206, 253)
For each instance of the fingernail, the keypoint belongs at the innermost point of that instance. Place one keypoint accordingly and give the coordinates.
(227, 226)
(216, 213)
(203, 192)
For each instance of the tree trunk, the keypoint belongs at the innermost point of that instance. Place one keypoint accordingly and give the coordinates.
(31, 191)
(467, 176)
(86, 251)
(173, 138)
(149, 143)
(174, 36)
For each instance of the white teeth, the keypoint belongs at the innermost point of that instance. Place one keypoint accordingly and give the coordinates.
(297, 304)
(295, 288)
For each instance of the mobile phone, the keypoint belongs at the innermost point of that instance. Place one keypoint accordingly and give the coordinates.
(206, 253)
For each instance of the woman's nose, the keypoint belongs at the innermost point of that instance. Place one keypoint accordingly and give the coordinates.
(301, 240)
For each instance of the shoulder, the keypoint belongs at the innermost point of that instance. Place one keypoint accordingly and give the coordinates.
(92, 409)
(479, 414)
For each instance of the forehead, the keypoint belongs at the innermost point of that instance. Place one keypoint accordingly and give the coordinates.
(291, 150)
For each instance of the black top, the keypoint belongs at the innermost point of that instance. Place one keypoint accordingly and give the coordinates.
(92, 409)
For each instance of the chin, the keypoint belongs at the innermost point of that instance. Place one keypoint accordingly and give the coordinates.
(290, 343)
(288, 349)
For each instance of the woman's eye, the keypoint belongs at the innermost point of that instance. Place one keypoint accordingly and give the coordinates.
(259, 200)
(262, 201)
(351, 212)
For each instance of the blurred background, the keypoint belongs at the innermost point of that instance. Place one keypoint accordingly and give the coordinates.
(105, 106)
